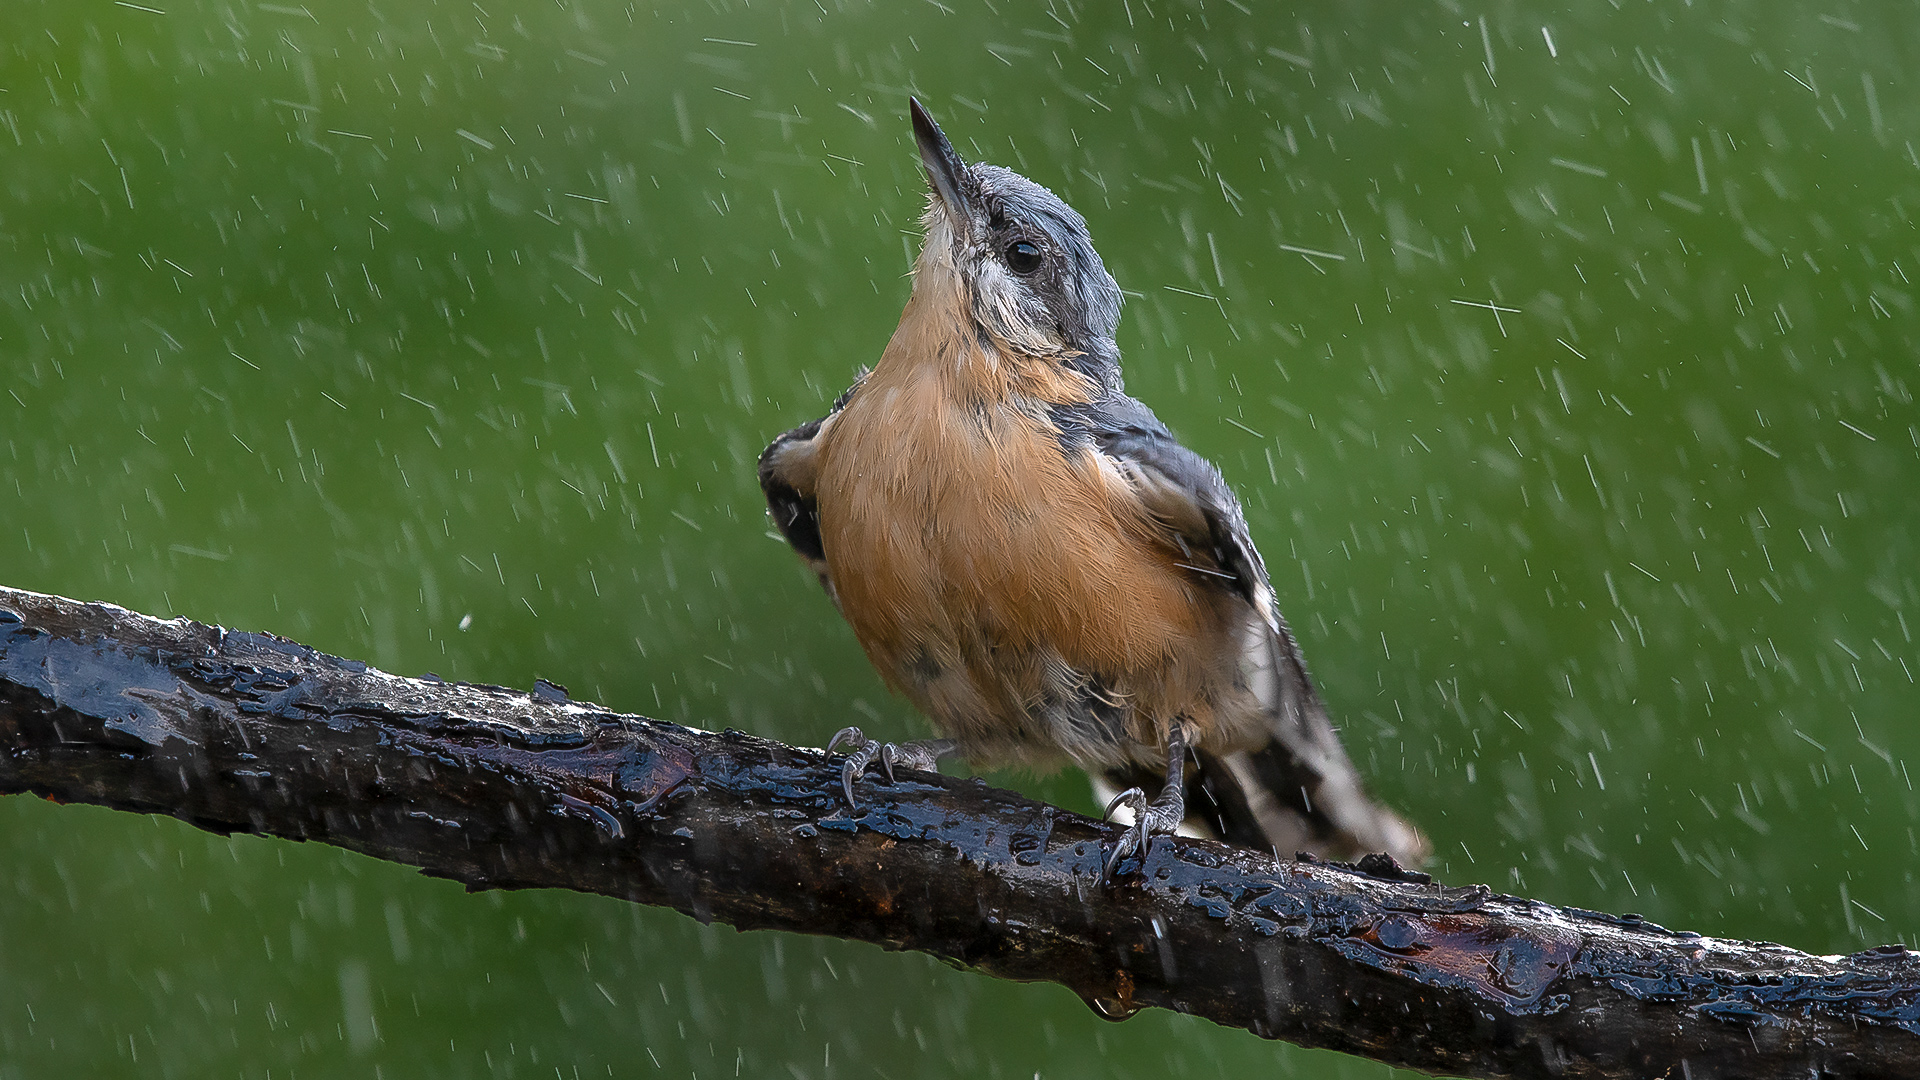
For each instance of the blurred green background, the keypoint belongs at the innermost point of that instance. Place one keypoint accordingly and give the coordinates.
(1564, 357)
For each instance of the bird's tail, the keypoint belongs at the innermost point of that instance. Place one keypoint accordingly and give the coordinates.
(1272, 800)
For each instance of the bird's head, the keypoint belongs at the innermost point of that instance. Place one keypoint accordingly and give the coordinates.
(1019, 259)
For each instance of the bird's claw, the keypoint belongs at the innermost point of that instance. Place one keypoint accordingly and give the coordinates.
(1159, 817)
(862, 754)
(889, 754)
(867, 751)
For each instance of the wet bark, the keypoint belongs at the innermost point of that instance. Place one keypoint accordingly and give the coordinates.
(242, 732)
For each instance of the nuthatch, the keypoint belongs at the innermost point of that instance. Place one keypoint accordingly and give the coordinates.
(1028, 555)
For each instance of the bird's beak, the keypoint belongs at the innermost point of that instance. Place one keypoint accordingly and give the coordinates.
(945, 171)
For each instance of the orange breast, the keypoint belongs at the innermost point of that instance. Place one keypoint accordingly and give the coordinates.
(972, 556)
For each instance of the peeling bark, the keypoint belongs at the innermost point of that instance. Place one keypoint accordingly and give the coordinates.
(243, 732)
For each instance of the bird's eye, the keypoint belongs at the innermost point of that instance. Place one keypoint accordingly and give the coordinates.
(1023, 257)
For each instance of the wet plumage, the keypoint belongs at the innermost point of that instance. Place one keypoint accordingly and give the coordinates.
(1030, 557)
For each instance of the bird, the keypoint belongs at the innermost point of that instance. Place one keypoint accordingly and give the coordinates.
(1029, 556)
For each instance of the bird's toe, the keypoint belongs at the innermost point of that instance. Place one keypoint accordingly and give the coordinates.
(862, 754)
(1150, 819)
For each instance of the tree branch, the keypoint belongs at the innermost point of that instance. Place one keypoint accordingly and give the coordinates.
(241, 732)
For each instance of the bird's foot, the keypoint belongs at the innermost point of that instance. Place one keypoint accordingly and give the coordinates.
(1160, 817)
(924, 755)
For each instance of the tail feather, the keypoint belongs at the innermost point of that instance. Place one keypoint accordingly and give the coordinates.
(1270, 801)
(1299, 792)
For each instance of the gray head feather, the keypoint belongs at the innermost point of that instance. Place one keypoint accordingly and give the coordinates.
(1083, 296)
(1062, 304)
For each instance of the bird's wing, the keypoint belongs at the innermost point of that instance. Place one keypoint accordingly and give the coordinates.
(1186, 495)
(789, 467)
(1300, 792)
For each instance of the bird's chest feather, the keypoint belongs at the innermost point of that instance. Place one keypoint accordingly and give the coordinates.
(937, 510)
(965, 543)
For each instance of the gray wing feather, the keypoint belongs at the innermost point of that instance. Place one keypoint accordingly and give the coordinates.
(786, 479)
